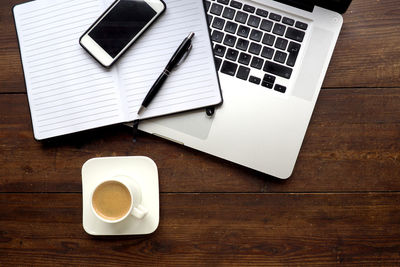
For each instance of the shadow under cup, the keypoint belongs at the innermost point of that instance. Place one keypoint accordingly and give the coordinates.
(113, 200)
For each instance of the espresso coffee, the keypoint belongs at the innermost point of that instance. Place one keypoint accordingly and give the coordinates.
(111, 200)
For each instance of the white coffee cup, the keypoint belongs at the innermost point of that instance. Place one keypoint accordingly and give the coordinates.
(136, 209)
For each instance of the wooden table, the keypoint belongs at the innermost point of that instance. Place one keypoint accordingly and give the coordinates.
(342, 204)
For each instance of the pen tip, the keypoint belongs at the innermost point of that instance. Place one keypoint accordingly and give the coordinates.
(191, 35)
(140, 109)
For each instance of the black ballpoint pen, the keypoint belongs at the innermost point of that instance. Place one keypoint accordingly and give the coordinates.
(179, 54)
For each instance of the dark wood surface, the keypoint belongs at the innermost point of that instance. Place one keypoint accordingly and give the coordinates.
(341, 205)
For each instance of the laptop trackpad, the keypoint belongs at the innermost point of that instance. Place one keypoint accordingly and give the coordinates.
(195, 123)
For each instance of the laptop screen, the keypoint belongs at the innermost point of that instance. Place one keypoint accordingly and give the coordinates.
(339, 6)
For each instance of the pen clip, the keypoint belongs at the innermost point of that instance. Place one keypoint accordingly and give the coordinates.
(185, 56)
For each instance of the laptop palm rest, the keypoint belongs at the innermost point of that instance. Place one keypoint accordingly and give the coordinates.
(319, 47)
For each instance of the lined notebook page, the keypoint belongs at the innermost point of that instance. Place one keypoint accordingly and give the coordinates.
(68, 91)
(193, 84)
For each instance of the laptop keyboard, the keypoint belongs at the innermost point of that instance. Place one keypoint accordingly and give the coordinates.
(247, 38)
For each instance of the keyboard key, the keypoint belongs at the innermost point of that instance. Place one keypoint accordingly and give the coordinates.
(217, 62)
(268, 81)
(267, 52)
(208, 4)
(229, 68)
(241, 17)
(301, 25)
(249, 9)
(288, 21)
(209, 19)
(232, 54)
(216, 9)
(256, 35)
(255, 48)
(280, 57)
(293, 50)
(243, 73)
(269, 78)
(254, 21)
(279, 29)
(267, 84)
(218, 23)
(268, 39)
(236, 4)
(266, 25)
(254, 79)
(275, 17)
(281, 43)
(229, 13)
(244, 58)
(280, 88)
(242, 44)
(230, 27)
(257, 63)
(294, 34)
(262, 12)
(229, 40)
(219, 50)
(217, 36)
(243, 31)
(225, 2)
(277, 69)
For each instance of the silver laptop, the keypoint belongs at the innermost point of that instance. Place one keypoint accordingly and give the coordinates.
(271, 57)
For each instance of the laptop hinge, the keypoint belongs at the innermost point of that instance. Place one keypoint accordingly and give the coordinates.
(305, 5)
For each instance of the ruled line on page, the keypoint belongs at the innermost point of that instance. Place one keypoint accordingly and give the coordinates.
(76, 112)
(191, 80)
(95, 90)
(182, 91)
(67, 57)
(76, 118)
(60, 65)
(46, 32)
(149, 66)
(88, 85)
(55, 3)
(86, 74)
(44, 107)
(174, 95)
(145, 80)
(60, 77)
(51, 14)
(71, 31)
(185, 101)
(53, 50)
(79, 123)
(67, 90)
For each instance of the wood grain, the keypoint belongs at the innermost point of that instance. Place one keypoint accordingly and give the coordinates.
(204, 229)
(366, 54)
(341, 206)
(352, 144)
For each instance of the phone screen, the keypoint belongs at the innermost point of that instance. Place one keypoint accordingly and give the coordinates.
(125, 20)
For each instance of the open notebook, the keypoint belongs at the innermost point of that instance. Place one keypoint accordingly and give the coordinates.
(69, 92)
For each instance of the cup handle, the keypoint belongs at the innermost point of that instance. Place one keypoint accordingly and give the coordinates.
(139, 211)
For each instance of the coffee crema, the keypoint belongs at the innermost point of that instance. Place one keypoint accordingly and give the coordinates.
(111, 200)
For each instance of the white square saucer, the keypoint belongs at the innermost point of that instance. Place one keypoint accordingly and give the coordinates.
(144, 170)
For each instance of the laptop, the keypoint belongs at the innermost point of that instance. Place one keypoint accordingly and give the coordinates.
(271, 57)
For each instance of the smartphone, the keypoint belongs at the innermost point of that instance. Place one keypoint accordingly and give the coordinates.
(119, 27)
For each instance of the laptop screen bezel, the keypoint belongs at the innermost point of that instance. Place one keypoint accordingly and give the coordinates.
(339, 6)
